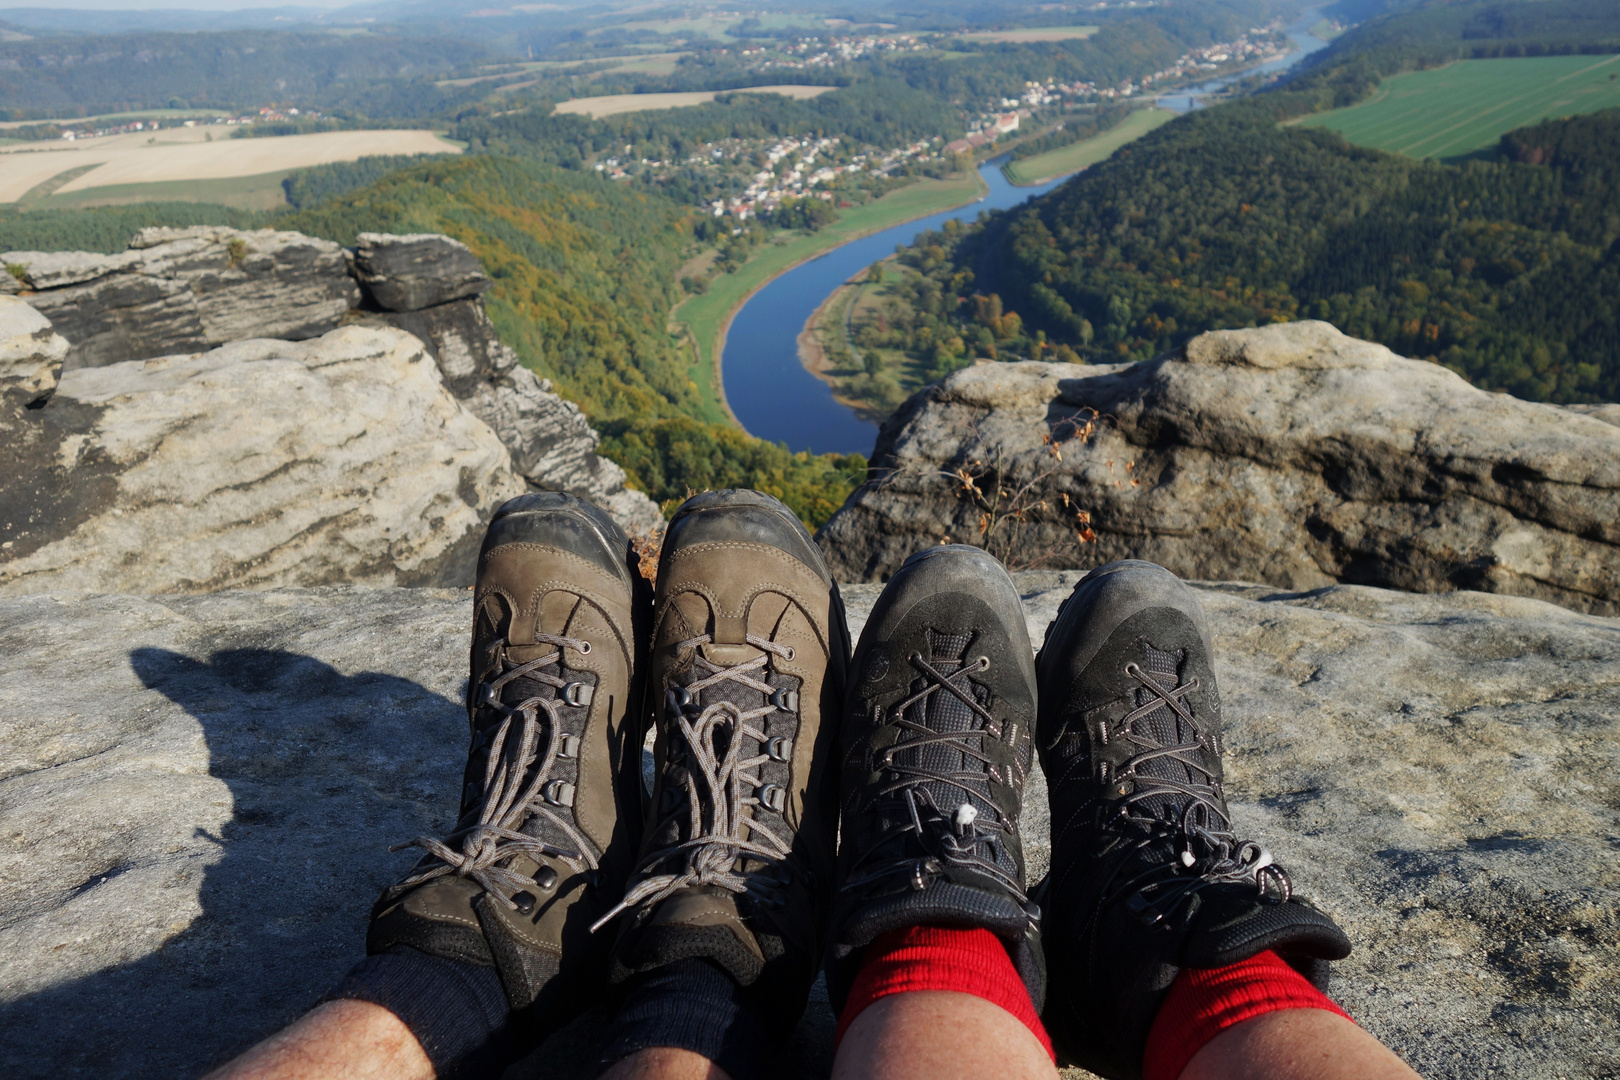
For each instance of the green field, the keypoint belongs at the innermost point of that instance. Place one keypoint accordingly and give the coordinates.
(261, 192)
(705, 316)
(1076, 156)
(1467, 106)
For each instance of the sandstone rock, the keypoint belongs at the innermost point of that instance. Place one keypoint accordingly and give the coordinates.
(198, 792)
(411, 272)
(260, 463)
(181, 290)
(31, 354)
(1289, 454)
(552, 445)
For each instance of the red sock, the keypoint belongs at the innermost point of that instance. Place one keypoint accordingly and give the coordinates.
(941, 958)
(1203, 1002)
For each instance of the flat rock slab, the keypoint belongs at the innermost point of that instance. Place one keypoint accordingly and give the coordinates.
(196, 794)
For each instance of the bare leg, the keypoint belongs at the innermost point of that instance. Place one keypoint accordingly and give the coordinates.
(340, 1040)
(665, 1063)
(939, 1035)
(1296, 1044)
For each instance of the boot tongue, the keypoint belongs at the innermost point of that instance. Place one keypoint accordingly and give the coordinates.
(1164, 727)
(948, 714)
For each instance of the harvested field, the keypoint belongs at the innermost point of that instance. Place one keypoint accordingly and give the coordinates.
(1035, 33)
(613, 104)
(187, 154)
(1467, 106)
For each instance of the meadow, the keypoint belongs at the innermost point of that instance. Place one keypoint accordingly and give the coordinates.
(614, 104)
(1465, 107)
(1033, 34)
(170, 162)
(1077, 156)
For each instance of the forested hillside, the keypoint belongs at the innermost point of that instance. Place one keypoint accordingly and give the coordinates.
(87, 75)
(584, 281)
(1506, 270)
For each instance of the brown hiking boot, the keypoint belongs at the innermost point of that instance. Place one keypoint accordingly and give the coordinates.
(746, 674)
(551, 794)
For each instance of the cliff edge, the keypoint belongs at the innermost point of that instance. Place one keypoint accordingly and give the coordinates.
(1288, 454)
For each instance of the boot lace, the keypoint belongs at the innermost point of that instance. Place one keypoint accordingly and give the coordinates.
(720, 786)
(955, 835)
(517, 777)
(1187, 813)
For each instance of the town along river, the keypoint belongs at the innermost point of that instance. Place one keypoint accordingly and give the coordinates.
(768, 388)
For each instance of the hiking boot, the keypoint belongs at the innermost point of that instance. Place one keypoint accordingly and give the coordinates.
(938, 738)
(746, 675)
(1147, 876)
(551, 792)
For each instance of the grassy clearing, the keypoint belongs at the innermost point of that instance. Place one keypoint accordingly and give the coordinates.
(614, 104)
(1037, 33)
(657, 63)
(1467, 106)
(261, 192)
(716, 25)
(829, 350)
(1077, 156)
(706, 316)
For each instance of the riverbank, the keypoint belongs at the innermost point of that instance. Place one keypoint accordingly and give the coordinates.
(1044, 168)
(705, 319)
(817, 358)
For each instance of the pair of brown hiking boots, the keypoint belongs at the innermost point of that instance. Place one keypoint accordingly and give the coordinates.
(727, 853)
(801, 802)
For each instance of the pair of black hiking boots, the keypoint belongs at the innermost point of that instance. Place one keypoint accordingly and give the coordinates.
(804, 802)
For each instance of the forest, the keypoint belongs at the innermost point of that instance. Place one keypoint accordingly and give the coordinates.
(1506, 270)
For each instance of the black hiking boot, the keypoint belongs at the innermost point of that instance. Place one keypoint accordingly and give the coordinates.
(937, 741)
(746, 676)
(551, 792)
(1147, 875)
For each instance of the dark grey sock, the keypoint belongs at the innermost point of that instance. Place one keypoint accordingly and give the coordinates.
(692, 1005)
(456, 1010)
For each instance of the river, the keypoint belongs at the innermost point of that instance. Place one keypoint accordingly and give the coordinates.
(767, 387)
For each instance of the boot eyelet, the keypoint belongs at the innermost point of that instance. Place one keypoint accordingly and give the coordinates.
(789, 654)
(773, 797)
(786, 700)
(568, 747)
(578, 693)
(559, 793)
(780, 749)
(584, 648)
(524, 901)
(681, 697)
(487, 694)
(546, 878)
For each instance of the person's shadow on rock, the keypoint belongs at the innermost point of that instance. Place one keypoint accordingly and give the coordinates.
(324, 771)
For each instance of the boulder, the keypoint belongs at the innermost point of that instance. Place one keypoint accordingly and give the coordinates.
(199, 792)
(184, 290)
(257, 464)
(416, 271)
(552, 444)
(31, 354)
(1288, 454)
